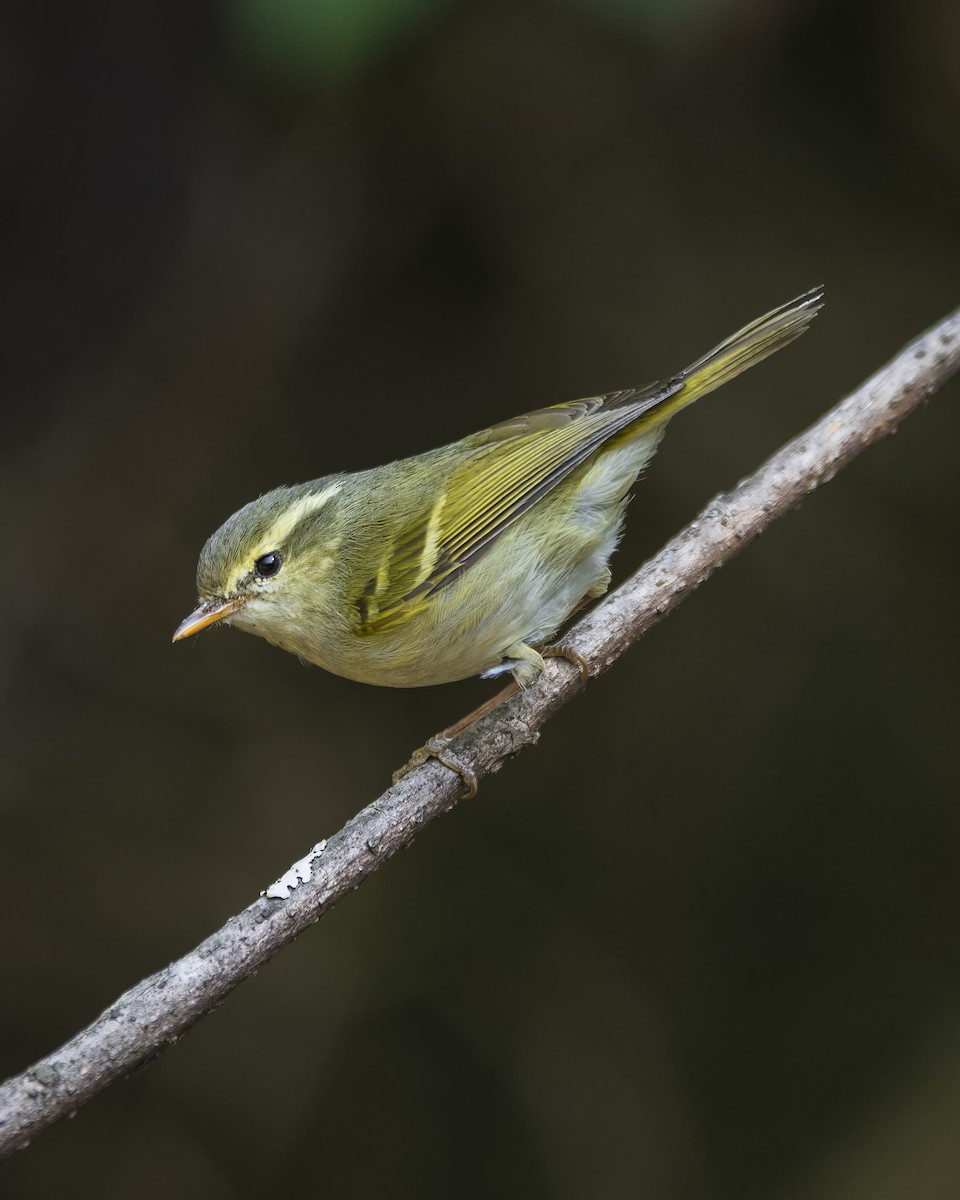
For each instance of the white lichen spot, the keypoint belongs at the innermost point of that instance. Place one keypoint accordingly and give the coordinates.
(299, 873)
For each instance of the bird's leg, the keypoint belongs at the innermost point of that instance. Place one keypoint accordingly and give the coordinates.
(480, 711)
(435, 747)
(527, 669)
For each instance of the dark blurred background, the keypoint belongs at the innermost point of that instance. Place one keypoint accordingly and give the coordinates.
(701, 942)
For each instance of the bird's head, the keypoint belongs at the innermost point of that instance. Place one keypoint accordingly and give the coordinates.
(266, 567)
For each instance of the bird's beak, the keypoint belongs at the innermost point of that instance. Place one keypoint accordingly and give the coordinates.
(206, 614)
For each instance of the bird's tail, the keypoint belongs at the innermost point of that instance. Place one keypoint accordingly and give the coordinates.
(748, 346)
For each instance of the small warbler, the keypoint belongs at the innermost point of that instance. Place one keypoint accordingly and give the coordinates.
(467, 559)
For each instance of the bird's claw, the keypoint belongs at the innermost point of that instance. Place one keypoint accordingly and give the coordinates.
(436, 747)
(572, 656)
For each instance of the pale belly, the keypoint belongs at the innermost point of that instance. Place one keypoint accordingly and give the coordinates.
(512, 594)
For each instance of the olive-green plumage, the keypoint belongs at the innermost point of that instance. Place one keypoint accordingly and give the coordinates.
(463, 560)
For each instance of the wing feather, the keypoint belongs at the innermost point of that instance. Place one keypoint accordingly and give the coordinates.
(510, 467)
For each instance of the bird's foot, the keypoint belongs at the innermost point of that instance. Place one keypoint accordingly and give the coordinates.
(436, 747)
(571, 655)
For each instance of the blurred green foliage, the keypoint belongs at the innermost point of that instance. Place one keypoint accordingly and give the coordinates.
(667, 19)
(303, 39)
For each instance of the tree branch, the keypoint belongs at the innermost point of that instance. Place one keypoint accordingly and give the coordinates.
(159, 1009)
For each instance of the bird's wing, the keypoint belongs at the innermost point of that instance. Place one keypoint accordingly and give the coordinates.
(515, 463)
(512, 465)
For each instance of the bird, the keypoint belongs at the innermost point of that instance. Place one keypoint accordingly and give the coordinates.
(468, 559)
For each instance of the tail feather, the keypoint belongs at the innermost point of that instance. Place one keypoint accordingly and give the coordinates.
(750, 345)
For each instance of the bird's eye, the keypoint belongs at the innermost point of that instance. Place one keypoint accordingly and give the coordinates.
(268, 564)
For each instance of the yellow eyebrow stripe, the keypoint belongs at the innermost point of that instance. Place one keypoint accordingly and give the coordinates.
(296, 512)
(274, 536)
